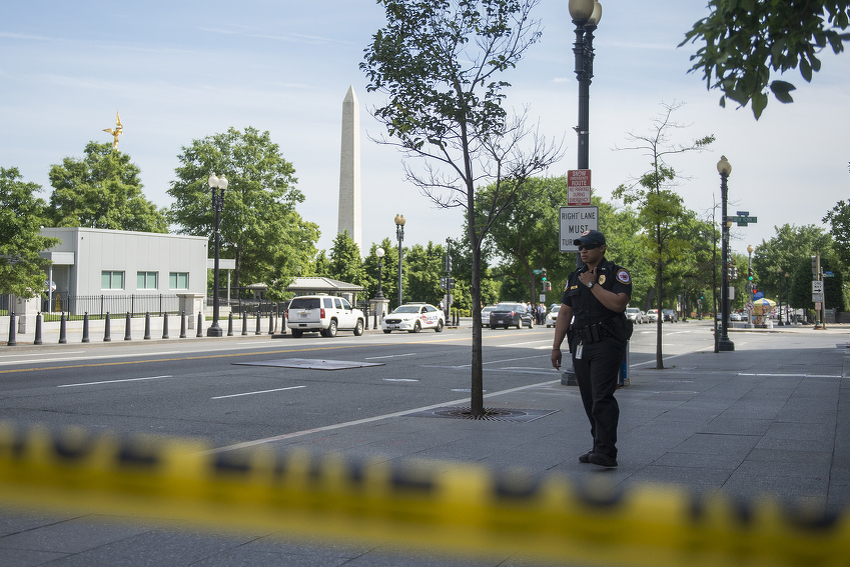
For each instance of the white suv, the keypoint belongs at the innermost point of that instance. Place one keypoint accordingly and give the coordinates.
(324, 314)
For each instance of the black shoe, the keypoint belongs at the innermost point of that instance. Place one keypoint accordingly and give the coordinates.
(585, 458)
(602, 460)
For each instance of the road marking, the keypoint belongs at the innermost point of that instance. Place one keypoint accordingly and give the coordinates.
(259, 392)
(19, 354)
(790, 375)
(390, 356)
(112, 381)
(368, 419)
(40, 360)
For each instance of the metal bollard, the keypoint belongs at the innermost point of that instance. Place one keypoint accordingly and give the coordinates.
(63, 338)
(257, 332)
(230, 324)
(106, 337)
(127, 330)
(165, 325)
(37, 340)
(12, 341)
(182, 324)
(147, 336)
(271, 323)
(86, 327)
(200, 323)
(244, 322)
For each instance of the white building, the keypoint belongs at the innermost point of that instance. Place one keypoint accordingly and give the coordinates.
(99, 267)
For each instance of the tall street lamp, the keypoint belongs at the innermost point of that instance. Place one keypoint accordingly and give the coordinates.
(218, 204)
(399, 233)
(724, 344)
(787, 298)
(380, 254)
(750, 286)
(779, 271)
(586, 15)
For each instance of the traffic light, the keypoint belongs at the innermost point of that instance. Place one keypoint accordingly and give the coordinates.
(547, 286)
(543, 272)
(750, 275)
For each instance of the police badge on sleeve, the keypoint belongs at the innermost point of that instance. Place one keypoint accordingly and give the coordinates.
(623, 276)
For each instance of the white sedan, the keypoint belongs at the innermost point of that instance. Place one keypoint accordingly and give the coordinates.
(552, 316)
(413, 317)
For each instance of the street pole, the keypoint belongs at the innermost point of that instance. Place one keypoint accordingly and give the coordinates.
(724, 344)
(399, 232)
(216, 183)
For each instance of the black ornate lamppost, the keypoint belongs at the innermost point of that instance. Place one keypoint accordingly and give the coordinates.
(586, 15)
(380, 254)
(217, 187)
(724, 344)
(399, 233)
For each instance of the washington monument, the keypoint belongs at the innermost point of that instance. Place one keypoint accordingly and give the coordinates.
(349, 170)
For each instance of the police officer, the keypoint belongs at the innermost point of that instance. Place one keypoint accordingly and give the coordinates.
(596, 295)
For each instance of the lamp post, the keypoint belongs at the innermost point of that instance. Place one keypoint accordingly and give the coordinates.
(399, 233)
(750, 286)
(218, 204)
(787, 299)
(724, 344)
(380, 254)
(586, 15)
(779, 271)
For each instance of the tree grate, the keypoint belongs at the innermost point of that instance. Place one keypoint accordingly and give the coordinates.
(490, 414)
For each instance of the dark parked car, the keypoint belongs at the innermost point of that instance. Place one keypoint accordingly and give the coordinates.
(511, 315)
(671, 315)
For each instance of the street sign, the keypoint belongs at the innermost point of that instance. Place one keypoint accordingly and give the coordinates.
(743, 213)
(742, 220)
(828, 275)
(573, 222)
(578, 187)
(817, 287)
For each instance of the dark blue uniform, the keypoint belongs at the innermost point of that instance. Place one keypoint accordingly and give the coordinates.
(598, 345)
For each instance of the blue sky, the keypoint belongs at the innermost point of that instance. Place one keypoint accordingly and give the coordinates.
(183, 70)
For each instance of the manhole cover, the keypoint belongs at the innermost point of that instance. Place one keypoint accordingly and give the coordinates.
(310, 363)
(490, 414)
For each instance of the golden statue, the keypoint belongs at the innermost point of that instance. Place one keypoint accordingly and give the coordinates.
(116, 132)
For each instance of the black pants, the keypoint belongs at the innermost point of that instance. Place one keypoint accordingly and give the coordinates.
(596, 375)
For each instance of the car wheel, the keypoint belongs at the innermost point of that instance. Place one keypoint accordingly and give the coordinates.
(358, 328)
(296, 333)
(439, 327)
(387, 331)
(531, 324)
(416, 328)
(330, 332)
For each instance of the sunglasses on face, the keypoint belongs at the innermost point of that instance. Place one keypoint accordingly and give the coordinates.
(582, 247)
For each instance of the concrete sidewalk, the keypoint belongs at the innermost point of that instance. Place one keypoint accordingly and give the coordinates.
(769, 418)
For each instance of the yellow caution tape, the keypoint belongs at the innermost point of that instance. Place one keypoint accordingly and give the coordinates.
(438, 505)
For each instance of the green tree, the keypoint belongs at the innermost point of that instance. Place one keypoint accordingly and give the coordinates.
(21, 217)
(745, 41)
(839, 221)
(102, 190)
(791, 246)
(425, 266)
(439, 64)
(260, 227)
(345, 262)
(661, 209)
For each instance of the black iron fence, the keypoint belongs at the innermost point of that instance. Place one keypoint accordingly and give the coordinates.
(97, 306)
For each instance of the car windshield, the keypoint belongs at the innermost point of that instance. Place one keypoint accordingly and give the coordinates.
(407, 309)
(631, 310)
(505, 308)
(556, 309)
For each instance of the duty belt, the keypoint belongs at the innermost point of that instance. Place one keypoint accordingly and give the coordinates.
(592, 333)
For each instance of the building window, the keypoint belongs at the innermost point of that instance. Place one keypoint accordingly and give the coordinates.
(146, 280)
(178, 280)
(111, 279)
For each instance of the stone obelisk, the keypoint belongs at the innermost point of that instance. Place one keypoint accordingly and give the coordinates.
(349, 170)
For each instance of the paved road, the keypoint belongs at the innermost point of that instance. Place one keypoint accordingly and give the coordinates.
(770, 417)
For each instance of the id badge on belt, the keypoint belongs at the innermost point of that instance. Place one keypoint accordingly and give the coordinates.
(579, 349)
